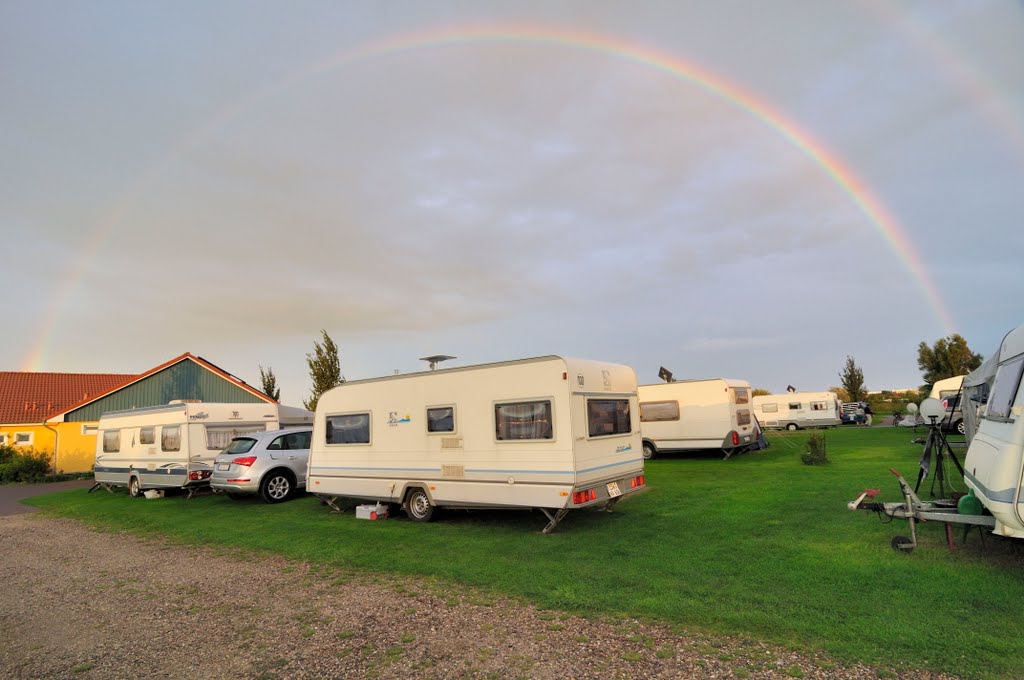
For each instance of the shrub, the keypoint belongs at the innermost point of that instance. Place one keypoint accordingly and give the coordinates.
(17, 465)
(815, 453)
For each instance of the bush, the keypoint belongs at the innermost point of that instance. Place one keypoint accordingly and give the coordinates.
(815, 453)
(17, 465)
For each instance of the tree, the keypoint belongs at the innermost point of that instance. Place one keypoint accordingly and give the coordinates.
(841, 393)
(324, 369)
(269, 383)
(948, 357)
(852, 379)
(758, 392)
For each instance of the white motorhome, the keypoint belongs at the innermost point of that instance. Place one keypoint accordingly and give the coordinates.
(797, 410)
(552, 433)
(173, 445)
(690, 415)
(994, 466)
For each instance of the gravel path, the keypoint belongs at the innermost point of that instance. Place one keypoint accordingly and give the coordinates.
(81, 603)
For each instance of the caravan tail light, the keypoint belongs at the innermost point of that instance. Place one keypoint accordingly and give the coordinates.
(581, 497)
(735, 439)
(198, 474)
(244, 460)
(636, 482)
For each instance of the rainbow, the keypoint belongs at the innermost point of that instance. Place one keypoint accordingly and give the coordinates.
(673, 66)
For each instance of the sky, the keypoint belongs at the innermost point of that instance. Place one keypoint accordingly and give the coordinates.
(732, 189)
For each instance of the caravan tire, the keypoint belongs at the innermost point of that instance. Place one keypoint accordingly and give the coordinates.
(418, 507)
(649, 450)
(277, 486)
(134, 487)
(791, 427)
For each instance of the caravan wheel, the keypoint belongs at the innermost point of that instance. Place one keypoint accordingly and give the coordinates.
(791, 427)
(418, 507)
(134, 487)
(648, 450)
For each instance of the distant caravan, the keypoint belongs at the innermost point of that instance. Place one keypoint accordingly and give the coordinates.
(551, 433)
(798, 410)
(694, 415)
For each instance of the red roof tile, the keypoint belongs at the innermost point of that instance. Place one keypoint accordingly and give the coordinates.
(33, 397)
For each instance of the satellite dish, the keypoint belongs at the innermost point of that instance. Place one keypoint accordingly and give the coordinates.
(932, 408)
(434, 359)
(911, 408)
(665, 374)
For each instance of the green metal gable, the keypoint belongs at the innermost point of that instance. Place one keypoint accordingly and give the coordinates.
(184, 380)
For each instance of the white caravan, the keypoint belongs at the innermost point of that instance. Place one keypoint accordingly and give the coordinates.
(173, 446)
(994, 466)
(552, 433)
(797, 410)
(691, 415)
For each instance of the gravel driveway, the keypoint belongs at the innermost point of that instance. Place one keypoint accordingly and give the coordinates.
(81, 603)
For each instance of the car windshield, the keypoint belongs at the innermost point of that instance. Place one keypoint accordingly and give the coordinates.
(240, 445)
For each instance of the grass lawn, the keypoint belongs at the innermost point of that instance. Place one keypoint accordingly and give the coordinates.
(759, 546)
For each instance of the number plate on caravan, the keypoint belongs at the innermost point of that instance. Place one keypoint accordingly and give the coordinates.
(223, 466)
(613, 489)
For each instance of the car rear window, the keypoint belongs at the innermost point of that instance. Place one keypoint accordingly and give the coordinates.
(240, 445)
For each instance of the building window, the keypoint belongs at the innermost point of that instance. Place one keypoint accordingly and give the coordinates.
(111, 441)
(819, 405)
(770, 408)
(653, 411)
(523, 420)
(608, 416)
(23, 439)
(441, 419)
(3, 439)
(170, 438)
(90, 429)
(147, 435)
(351, 428)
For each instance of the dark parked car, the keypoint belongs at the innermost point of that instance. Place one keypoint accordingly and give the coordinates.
(853, 413)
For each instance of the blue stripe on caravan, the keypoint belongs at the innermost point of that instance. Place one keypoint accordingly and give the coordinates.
(1004, 496)
(523, 472)
(610, 465)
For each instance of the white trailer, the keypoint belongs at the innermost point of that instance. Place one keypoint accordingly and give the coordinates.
(797, 410)
(552, 433)
(994, 466)
(692, 415)
(173, 445)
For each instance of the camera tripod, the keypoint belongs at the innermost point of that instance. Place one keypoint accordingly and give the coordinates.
(936, 443)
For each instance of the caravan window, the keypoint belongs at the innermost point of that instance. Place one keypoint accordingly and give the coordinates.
(441, 419)
(795, 406)
(351, 428)
(218, 437)
(523, 420)
(743, 417)
(170, 438)
(741, 394)
(653, 411)
(147, 435)
(1004, 389)
(111, 441)
(608, 416)
(819, 405)
(770, 408)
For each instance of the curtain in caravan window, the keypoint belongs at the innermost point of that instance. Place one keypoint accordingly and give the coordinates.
(170, 438)
(219, 436)
(770, 408)
(654, 411)
(441, 419)
(111, 441)
(147, 435)
(349, 429)
(608, 416)
(523, 420)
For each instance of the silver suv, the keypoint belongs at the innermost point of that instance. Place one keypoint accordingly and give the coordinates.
(271, 464)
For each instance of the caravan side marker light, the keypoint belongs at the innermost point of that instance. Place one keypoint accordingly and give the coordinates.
(565, 375)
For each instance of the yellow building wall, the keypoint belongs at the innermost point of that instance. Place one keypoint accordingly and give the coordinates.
(76, 451)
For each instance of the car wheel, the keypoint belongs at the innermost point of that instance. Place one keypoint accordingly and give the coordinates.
(791, 427)
(276, 487)
(418, 507)
(649, 450)
(134, 487)
(960, 427)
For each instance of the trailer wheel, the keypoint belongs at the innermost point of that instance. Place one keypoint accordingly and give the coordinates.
(791, 427)
(649, 450)
(418, 507)
(277, 486)
(134, 487)
(902, 544)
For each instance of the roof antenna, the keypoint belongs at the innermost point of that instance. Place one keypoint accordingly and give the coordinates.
(434, 359)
